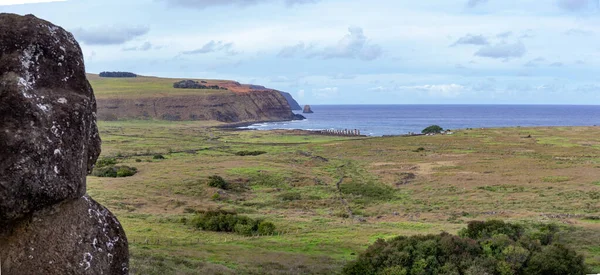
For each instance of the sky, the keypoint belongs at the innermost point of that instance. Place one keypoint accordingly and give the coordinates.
(349, 51)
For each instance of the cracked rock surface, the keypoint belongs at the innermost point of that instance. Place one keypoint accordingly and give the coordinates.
(48, 145)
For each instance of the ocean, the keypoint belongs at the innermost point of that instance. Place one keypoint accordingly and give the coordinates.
(379, 120)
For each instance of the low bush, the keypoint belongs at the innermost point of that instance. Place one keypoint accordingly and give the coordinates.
(114, 171)
(158, 156)
(217, 182)
(106, 162)
(491, 247)
(250, 153)
(224, 221)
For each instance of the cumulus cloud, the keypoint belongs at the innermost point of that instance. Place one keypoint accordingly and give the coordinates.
(202, 4)
(109, 35)
(355, 45)
(475, 3)
(144, 47)
(503, 51)
(470, 39)
(577, 5)
(214, 46)
(291, 51)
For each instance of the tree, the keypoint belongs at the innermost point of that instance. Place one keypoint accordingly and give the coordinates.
(433, 129)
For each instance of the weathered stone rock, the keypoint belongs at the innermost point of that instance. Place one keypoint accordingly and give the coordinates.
(48, 135)
(307, 109)
(48, 144)
(74, 237)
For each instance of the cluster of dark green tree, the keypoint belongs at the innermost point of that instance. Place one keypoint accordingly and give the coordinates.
(433, 129)
(107, 168)
(223, 221)
(191, 84)
(117, 74)
(491, 247)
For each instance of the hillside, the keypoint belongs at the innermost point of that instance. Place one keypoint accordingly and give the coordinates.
(331, 197)
(152, 97)
(293, 103)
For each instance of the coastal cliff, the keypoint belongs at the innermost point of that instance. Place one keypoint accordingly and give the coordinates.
(150, 97)
(293, 103)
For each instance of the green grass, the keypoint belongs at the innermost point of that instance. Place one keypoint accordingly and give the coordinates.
(108, 87)
(475, 174)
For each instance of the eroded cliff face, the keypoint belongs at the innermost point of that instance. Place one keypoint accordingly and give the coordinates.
(227, 106)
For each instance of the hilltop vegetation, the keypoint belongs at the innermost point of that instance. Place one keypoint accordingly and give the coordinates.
(329, 198)
(117, 74)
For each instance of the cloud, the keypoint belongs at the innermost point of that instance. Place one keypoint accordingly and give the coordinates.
(21, 2)
(434, 90)
(329, 92)
(557, 64)
(503, 51)
(504, 35)
(470, 39)
(535, 62)
(203, 4)
(354, 45)
(144, 47)
(109, 35)
(579, 32)
(438, 90)
(213, 46)
(291, 51)
(300, 94)
(577, 5)
(341, 76)
(475, 3)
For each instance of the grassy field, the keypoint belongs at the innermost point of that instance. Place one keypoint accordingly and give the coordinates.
(331, 197)
(147, 86)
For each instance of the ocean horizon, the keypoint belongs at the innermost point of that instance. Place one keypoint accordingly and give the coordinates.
(399, 119)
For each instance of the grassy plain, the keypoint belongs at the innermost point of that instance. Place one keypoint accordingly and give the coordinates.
(351, 191)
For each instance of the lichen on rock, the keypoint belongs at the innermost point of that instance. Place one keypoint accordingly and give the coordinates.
(49, 143)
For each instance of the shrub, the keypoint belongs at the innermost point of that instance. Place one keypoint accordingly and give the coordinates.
(158, 156)
(117, 74)
(126, 171)
(106, 162)
(250, 153)
(266, 228)
(224, 221)
(492, 247)
(114, 171)
(433, 129)
(217, 182)
(420, 149)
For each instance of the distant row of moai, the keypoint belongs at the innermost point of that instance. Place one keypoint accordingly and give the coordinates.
(345, 132)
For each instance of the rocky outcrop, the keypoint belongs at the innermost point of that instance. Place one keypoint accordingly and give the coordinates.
(73, 237)
(48, 144)
(293, 103)
(307, 109)
(226, 106)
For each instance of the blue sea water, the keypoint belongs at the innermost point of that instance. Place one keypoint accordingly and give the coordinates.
(378, 120)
